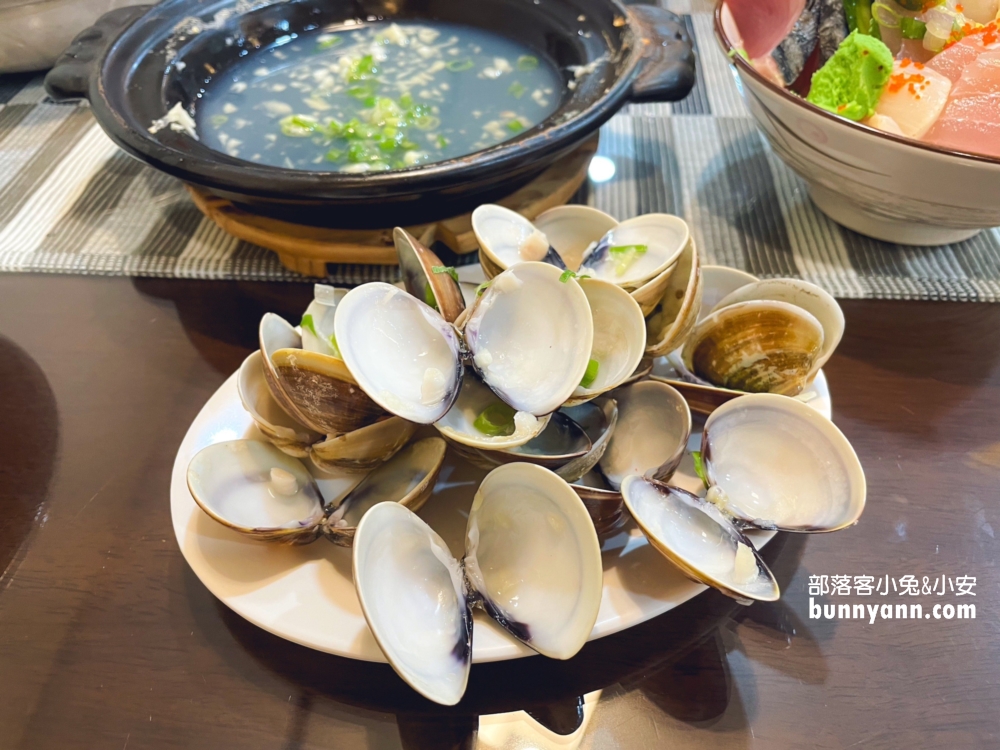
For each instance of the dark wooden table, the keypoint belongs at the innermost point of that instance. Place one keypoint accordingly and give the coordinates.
(107, 639)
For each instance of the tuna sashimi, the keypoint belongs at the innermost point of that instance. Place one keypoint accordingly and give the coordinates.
(971, 120)
(952, 61)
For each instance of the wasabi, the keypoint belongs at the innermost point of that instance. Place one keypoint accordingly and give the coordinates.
(851, 82)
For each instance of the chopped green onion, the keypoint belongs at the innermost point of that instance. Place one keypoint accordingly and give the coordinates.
(911, 28)
(429, 297)
(308, 325)
(516, 90)
(450, 270)
(739, 51)
(625, 255)
(218, 120)
(699, 466)
(886, 16)
(457, 66)
(298, 126)
(593, 367)
(483, 287)
(527, 62)
(515, 126)
(427, 122)
(334, 154)
(496, 420)
(332, 41)
(333, 345)
(442, 142)
(567, 275)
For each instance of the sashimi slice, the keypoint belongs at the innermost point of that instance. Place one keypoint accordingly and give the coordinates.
(971, 120)
(914, 97)
(951, 62)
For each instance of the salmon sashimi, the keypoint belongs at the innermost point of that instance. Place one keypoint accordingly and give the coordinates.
(971, 119)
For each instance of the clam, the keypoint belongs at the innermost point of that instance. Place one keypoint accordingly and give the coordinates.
(571, 230)
(273, 421)
(506, 238)
(677, 308)
(637, 250)
(619, 340)
(775, 463)
(699, 539)
(426, 277)
(400, 351)
(530, 335)
(811, 298)
(654, 424)
(532, 562)
(364, 448)
(758, 346)
(406, 480)
(255, 489)
(315, 389)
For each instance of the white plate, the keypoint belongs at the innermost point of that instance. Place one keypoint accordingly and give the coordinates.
(306, 594)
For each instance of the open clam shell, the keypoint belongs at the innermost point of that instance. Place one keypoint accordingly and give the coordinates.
(760, 346)
(530, 335)
(677, 309)
(573, 229)
(637, 250)
(255, 489)
(506, 239)
(699, 539)
(364, 448)
(781, 465)
(532, 562)
(412, 594)
(274, 422)
(459, 423)
(316, 389)
(811, 298)
(407, 479)
(654, 423)
(402, 353)
(532, 555)
(619, 340)
(416, 266)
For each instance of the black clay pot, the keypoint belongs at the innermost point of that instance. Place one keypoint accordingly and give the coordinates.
(121, 66)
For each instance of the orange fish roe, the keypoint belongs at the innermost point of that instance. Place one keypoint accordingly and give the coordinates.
(914, 83)
(960, 8)
(989, 32)
(907, 62)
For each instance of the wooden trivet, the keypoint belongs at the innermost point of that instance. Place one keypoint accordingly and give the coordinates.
(307, 249)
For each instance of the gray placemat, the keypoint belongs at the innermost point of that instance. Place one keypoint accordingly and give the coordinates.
(71, 202)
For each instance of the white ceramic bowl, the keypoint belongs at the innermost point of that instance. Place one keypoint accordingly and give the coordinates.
(881, 185)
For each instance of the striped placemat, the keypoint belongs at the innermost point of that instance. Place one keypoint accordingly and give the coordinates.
(71, 202)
